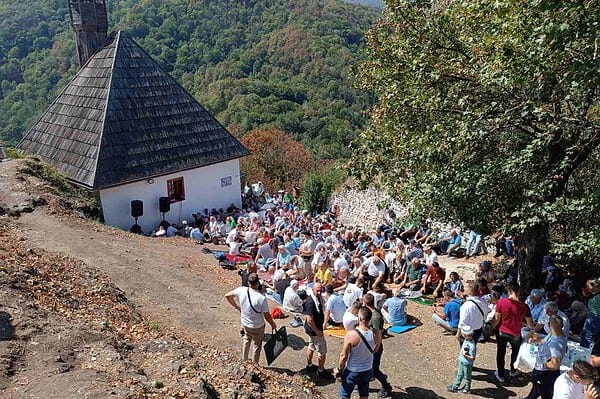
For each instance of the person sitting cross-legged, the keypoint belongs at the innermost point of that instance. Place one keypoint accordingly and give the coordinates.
(394, 309)
(433, 280)
(448, 316)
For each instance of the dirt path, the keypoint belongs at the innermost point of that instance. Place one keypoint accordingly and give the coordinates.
(174, 283)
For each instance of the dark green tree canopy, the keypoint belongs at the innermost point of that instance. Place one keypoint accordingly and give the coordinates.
(488, 115)
(253, 64)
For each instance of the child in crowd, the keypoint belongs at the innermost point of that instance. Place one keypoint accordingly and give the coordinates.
(466, 358)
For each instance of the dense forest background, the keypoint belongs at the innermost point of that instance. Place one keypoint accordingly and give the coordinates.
(253, 64)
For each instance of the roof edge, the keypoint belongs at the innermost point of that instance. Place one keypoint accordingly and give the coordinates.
(110, 82)
(164, 174)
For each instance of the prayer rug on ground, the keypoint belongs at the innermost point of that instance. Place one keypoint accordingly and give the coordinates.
(401, 329)
(338, 331)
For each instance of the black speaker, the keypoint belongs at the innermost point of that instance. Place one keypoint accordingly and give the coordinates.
(164, 205)
(137, 208)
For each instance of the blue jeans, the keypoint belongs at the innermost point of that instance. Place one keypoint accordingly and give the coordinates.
(351, 379)
(474, 238)
(591, 328)
(509, 247)
(377, 373)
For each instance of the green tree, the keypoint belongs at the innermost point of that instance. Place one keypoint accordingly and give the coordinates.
(488, 115)
(318, 186)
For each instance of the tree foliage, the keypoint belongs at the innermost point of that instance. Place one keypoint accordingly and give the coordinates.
(276, 159)
(488, 115)
(318, 186)
(253, 64)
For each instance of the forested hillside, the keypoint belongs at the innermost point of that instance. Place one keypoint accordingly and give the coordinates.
(254, 64)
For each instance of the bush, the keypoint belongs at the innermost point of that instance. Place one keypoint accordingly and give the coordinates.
(318, 187)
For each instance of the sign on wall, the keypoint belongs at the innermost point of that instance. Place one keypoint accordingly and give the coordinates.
(226, 181)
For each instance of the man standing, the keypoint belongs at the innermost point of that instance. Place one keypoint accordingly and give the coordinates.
(577, 383)
(472, 313)
(377, 326)
(509, 317)
(254, 310)
(313, 325)
(356, 359)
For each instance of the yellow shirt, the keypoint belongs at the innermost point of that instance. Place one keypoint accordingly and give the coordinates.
(324, 276)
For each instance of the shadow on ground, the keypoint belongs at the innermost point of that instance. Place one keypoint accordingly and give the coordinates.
(7, 330)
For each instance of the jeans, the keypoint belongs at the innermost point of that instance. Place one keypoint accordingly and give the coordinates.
(515, 345)
(351, 379)
(543, 384)
(465, 372)
(443, 323)
(509, 248)
(591, 328)
(474, 238)
(377, 373)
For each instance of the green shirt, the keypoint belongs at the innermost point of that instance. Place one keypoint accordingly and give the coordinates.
(376, 321)
(414, 274)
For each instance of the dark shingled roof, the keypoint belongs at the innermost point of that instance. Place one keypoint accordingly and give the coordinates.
(123, 119)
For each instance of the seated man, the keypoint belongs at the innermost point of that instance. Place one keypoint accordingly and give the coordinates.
(335, 307)
(413, 276)
(323, 275)
(451, 243)
(374, 272)
(354, 290)
(454, 285)
(264, 255)
(394, 309)
(291, 300)
(448, 316)
(551, 309)
(536, 302)
(283, 258)
(433, 280)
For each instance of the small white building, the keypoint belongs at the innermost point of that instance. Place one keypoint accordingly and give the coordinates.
(126, 129)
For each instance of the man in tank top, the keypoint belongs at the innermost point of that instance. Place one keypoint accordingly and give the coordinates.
(356, 359)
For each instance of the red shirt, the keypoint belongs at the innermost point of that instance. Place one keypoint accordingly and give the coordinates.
(436, 275)
(513, 315)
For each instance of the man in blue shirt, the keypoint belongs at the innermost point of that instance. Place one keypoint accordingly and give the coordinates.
(394, 309)
(448, 317)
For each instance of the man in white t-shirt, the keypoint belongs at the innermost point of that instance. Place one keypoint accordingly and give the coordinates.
(430, 255)
(254, 310)
(353, 291)
(375, 270)
(577, 383)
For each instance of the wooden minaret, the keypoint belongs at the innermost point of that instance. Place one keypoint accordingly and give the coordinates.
(89, 21)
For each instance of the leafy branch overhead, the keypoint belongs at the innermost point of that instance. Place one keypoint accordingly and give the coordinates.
(487, 112)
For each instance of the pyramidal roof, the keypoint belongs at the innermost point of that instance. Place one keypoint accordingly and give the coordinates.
(122, 119)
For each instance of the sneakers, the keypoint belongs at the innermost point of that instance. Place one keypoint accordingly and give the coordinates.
(310, 368)
(452, 388)
(499, 377)
(296, 322)
(514, 373)
(464, 390)
(325, 375)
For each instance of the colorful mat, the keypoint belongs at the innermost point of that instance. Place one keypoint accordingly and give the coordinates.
(401, 329)
(338, 332)
(238, 258)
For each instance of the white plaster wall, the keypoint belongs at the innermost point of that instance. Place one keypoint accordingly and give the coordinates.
(202, 190)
